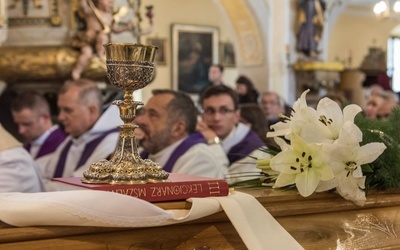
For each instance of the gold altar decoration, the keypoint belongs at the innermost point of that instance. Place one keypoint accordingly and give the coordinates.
(44, 63)
(129, 67)
(328, 66)
(319, 77)
(21, 14)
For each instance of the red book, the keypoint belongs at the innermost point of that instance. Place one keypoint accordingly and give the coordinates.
(179, 187)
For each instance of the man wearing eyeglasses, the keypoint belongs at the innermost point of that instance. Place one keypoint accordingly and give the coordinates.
(168, 135)
(220, 126)
(273, 105)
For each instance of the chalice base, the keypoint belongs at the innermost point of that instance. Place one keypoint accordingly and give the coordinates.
(125, 166)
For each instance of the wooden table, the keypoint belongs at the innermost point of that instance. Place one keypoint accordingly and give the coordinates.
(321, 221)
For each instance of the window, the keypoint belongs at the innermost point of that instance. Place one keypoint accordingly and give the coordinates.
(393, 62)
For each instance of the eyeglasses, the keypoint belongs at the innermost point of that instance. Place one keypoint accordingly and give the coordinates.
(222, 111)
(269, 103)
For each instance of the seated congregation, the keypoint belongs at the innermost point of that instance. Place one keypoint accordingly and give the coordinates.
(172, 132)
(221, 139)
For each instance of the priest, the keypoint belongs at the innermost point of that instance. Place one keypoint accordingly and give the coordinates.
(18, 172)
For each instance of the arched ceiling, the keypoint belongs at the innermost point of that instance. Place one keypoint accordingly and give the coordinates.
(247, 30)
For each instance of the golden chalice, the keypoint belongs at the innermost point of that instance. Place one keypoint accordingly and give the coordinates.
(129, 67)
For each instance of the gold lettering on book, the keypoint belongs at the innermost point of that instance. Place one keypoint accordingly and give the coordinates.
(214, 188)
(209, 188)
(134, 192)
(176, 190)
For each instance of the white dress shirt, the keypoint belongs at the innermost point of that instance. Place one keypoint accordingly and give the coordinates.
(199, 160)
(18, 172)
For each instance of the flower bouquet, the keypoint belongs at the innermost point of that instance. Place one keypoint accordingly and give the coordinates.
(323, 149)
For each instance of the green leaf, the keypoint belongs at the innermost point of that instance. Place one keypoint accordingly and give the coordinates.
(367, 168)
(386, 169)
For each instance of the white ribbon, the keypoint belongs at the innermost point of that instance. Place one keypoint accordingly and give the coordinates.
(257, 228)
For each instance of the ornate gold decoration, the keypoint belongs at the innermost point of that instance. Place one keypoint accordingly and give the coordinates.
(55, 20)
(129, 67)
(53, 17)
(44, 63)
(328, 66)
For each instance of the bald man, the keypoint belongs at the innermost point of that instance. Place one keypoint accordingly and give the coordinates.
(93, 134)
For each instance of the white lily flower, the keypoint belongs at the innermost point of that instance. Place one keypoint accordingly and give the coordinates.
(264, 163)
(302, 164)
(351, 188)
(350, 158)
(346, 162)
(323, 151)
(300, 112)
(330, 121)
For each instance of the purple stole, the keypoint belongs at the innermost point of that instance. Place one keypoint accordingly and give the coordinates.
(28, 146)
(190, 141)
(51, 143)
(249, 143)
(89, 149)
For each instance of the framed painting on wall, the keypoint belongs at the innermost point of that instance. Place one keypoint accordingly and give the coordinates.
(160, 43)
(227, 55)
(194, 50)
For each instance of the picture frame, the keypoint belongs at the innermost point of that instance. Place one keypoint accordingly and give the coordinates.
(161, 54)
(25, 13)
(227, 55)
(194, 50)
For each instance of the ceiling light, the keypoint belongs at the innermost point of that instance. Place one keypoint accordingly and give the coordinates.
(396, 6)
(380, 7)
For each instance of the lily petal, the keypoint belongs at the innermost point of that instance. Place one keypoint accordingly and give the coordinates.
(281, 143)
(331, 110)
(307, 182)
(350, 134)
(349, 188)
(370, 152)
(350, 112)
(285, 180)
(326, 185)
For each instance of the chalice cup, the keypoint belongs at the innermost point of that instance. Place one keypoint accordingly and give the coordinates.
(129, 67)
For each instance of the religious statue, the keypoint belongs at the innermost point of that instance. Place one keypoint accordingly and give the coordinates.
(310, 24)
(99, 21)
